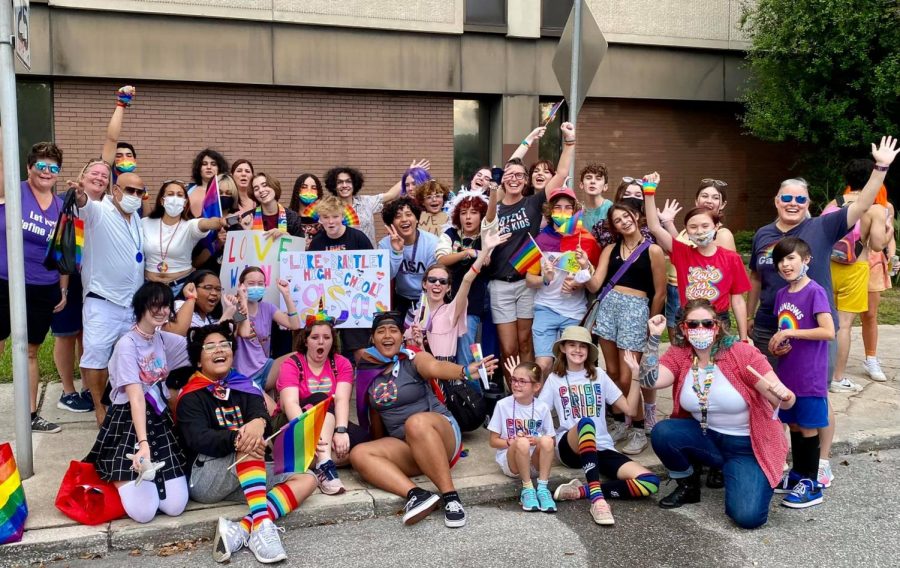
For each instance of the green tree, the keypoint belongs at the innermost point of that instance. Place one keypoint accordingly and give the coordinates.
(826, 74)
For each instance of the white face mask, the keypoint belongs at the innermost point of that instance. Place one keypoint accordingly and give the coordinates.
(130, 203)
(701, 338)
(703, 239)
(173, 205)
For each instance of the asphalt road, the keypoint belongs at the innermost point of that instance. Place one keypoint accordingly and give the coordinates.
(858, 525)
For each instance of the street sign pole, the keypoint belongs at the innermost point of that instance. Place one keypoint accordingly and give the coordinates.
(576, 62)
(9, 123)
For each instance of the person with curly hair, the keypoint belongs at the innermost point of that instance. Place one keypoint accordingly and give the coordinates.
(207, 164)
(432, 197)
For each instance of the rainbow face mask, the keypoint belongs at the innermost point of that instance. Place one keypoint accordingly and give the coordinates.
(125, 166)
(307, 196)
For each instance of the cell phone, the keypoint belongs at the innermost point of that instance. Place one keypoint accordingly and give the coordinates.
(496, 175)
(233, 222)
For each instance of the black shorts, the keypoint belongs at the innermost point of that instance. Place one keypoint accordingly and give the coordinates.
(40, 299)
(68, 322)
(609, 462)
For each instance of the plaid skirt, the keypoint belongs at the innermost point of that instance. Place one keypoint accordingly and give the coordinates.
(117, 438)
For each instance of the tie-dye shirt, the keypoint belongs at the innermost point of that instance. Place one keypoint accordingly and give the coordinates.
(804, 369)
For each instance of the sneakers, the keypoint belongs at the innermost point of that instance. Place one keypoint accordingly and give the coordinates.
(825, 476)
(528, 499)
(454, 514)
(601, 512)
(265, 544)
(230, 537)
(788, 481)
(419, 506)
(844, 385)
(38, 424)
(329, 482)
(73, 402)
(805, 494)
(649, 416)
(570, 491)
(618, 431)
(637, 441)
(872, 367)
(86, 395)
(545, 500)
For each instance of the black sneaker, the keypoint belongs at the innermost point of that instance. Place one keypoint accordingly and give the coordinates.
(73, 402)
(86, 396)
(419, 506)
(38, 424)
(454, 514)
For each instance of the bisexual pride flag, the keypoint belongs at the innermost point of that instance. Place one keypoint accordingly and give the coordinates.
(295, 447)
(13, 509)
(212, 207)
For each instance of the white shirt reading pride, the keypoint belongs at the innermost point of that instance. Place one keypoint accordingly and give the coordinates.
(112, 248)
(574, 397)
(728, 412)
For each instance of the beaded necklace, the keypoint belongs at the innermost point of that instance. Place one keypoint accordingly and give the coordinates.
(702, 392)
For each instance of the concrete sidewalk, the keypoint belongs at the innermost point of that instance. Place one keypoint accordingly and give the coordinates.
(867, 420)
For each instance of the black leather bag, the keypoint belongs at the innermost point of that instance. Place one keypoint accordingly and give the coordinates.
(465, 404)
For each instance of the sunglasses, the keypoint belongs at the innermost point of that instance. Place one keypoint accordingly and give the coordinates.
(175, 181)
(636, 181)
(800, 199)
(43, 167)
(713, 182)
(705, 324)
(139, 191)
(518, 381)
(436, 280)
(224, 345)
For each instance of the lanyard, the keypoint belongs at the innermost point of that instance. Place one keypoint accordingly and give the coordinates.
(702, 392)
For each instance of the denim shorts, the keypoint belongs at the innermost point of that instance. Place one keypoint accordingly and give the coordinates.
(263, 374)
(622, 318)
(673, 304)
(807, 412)
(547, 327)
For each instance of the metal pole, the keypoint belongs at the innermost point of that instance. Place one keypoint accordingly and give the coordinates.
(576, 63)
(9, 122)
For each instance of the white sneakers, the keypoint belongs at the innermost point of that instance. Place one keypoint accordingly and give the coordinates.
(872, 366)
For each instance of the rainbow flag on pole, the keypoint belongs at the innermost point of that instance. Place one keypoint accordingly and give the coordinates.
(526, 257)
(295, 447)
(13, 509)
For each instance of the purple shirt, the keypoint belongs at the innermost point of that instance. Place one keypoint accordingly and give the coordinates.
(804, 369)
(253, 352)
(37, 229)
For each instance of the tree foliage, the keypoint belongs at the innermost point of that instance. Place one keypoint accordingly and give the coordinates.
(826, 74)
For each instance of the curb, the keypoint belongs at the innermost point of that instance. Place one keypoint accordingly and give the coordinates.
(74, 541)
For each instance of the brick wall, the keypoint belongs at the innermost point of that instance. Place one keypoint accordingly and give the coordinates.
(685, 142)
(284, 132)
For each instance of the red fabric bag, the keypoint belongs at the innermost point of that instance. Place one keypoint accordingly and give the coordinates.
(86, 498)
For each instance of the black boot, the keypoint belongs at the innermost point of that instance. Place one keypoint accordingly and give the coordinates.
(715, 479)
(688, 491)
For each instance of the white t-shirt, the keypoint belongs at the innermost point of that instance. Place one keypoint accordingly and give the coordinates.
(728, 412)
(572, 305)
(180, 239)
(511, 418)
(197, 320)
(574, 396)
(110, 267)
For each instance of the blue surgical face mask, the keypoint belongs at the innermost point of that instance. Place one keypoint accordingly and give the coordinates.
(256, 293)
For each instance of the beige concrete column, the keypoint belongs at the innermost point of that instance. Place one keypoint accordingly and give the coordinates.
(523, 18)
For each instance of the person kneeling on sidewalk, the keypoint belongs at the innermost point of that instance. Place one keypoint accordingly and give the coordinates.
(222, 418)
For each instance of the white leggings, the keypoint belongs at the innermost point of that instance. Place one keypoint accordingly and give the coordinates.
(141, 502)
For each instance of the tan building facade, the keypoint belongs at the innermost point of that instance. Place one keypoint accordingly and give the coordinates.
(302, 85)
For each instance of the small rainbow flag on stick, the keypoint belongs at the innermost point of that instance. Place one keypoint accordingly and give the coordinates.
(13, 508)
(526, 257)
(568, 262)
(482, 372)
(295, 449)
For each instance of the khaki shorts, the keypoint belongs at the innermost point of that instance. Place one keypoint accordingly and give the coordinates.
(511, 301)
(879, 277)
(851, 286)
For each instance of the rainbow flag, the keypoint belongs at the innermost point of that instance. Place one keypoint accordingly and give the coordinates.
(351, 219)
(310, 211)
(567, 224)
(526, 257)
(13, 508)
(294, 450)
(212, 207)
(567, 262)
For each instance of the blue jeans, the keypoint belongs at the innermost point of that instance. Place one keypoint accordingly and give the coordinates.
(679, 443)
(546, 329)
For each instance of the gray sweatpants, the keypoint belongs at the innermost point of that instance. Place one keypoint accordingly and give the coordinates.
(212, 481)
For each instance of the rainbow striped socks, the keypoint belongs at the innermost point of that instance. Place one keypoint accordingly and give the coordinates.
(641, 486)
(251, 475)
(280, 501)
(587, 451)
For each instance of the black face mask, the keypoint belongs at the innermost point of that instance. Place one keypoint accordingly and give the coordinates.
(635, 203)
(227, 203)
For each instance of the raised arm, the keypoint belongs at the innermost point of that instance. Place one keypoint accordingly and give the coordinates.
(565, 158)
(124, 97)
(663, 238)
(396, 189)
(883, 155)
(651, 375)
(489, 241)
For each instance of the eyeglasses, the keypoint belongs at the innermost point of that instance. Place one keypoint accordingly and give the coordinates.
(211, 288)
(705, 324)
(44, 166)
(139, 191)
(518, 381)
(713, 182)
(436, 280)
(515, 175)
(224, 345)
(800, 199)
(636, 181)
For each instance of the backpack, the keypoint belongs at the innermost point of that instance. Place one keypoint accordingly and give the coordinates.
(848, 249)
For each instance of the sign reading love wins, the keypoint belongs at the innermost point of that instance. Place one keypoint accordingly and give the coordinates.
(354, 283)
(252, 248)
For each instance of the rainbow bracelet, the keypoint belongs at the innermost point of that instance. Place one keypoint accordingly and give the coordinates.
(649, 188)
(123, 99)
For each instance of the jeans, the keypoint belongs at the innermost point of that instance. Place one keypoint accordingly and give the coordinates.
(679, 443)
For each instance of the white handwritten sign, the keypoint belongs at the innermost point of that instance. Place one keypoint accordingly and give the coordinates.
(356, 284)
(252, 248)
